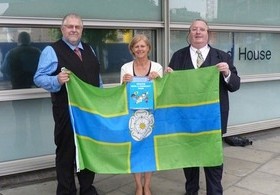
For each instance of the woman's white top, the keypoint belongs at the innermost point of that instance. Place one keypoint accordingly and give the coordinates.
(128, 68)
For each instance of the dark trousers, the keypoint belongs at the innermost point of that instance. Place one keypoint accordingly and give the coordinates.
(65, 159)
(213, 177)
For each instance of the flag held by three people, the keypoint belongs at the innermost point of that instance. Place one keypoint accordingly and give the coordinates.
(181, 130)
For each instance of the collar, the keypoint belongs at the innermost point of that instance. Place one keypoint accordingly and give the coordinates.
(80, 46)
(203, 49)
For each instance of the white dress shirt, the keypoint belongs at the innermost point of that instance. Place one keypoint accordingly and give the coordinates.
(204, 51)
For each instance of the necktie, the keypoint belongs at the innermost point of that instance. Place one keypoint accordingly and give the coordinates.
(78, 52)
(199, 59)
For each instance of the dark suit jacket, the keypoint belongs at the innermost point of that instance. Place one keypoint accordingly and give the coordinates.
(181, 60)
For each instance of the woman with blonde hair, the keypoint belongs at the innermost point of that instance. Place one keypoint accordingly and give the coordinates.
(141, 66)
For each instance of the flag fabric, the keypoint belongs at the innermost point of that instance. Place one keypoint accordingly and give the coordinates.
(183, 129)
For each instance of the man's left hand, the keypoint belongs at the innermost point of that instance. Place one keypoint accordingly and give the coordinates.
(223, 67)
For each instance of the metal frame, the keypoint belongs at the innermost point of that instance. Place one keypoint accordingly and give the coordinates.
(25, 165)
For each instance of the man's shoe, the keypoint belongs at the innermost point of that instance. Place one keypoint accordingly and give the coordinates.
(191, 193)
(91, 191)
(95, 192)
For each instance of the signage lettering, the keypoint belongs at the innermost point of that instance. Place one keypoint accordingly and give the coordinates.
(253, 54)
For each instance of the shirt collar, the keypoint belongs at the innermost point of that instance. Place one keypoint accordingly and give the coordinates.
(201, 49)
(80, 46)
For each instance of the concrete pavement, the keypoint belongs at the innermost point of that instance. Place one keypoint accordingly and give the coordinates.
(250, 170)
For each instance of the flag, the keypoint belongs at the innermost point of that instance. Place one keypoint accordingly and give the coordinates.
(183, 129)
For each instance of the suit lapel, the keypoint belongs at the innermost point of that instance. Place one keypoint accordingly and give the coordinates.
(188, 60)
(212, 58)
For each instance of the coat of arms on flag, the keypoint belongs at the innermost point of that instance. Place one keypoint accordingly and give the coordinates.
(141, 124)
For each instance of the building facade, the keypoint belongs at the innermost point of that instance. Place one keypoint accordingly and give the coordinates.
(248, 30)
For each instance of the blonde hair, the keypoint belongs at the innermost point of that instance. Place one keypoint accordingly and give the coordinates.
(195, 20)
(201, 20)
(136, 39)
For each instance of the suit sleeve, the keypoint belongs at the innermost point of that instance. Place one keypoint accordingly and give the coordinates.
(177, 61)
(234, 80)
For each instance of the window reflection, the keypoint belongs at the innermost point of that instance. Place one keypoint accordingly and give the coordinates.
(20, 63)
(20, 49)
(110, 45)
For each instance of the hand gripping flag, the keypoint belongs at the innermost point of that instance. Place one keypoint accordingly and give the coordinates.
(183, 129)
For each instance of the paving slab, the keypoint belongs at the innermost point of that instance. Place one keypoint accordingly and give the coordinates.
(239, 167)
(261, 182)
(248, 153)
(271, 167)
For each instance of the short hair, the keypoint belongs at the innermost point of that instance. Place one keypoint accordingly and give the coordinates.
(136, 39)
(24, 38)
(71, 15)
(199, 19)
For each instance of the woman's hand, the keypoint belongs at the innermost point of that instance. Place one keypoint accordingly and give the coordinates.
(168, 70)
(127, 78)
(153, 75)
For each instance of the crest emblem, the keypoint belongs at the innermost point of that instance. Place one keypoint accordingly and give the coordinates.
(141, 124)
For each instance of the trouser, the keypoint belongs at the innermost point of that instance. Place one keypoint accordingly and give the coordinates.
(65, 159)
(213, 177)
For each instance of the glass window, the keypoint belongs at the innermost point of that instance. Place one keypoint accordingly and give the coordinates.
(20, 49)
(148, 10)
(226, 12)
(221, 40)
(26, 122)
(18, 61)
(256, 53)
(253, 53)
(26, 129)
(255, 102)
(111, 47)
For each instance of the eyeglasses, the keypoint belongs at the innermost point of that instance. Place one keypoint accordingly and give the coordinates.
(198, 29)
(77, 27)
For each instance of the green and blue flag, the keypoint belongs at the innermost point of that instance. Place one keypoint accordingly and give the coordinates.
(183, 129)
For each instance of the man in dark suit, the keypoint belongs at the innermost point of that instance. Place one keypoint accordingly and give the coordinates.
(189, 58)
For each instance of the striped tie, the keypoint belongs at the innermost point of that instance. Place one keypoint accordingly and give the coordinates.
(78, 52)
(199, 60)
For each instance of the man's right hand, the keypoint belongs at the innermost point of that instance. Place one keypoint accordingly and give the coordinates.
(63, 76)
